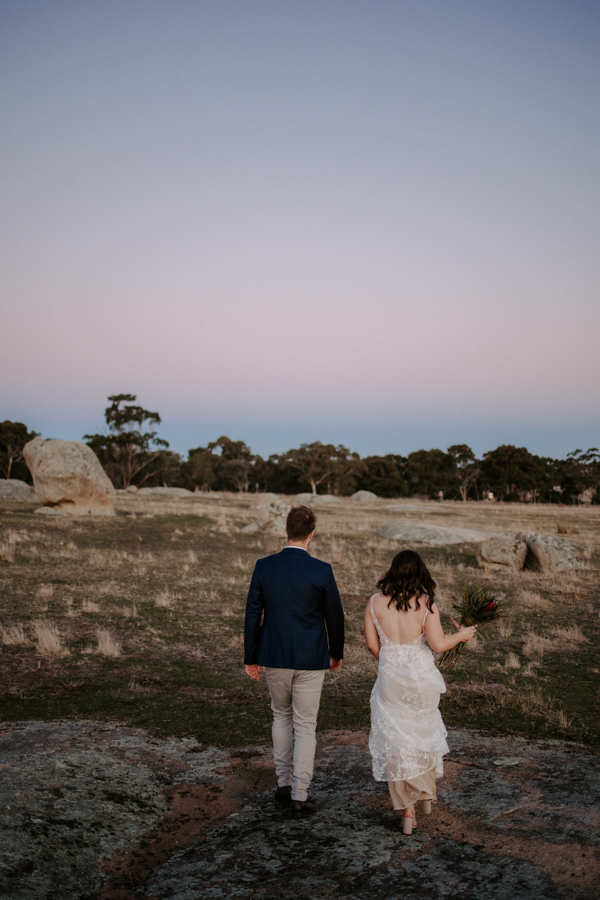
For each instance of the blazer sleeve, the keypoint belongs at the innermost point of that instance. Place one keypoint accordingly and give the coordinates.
(334, 618)
(254, 608)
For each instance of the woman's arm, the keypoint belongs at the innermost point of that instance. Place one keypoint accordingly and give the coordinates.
(440, 642)
(371, 636)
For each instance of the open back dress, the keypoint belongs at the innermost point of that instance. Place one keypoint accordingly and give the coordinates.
(408, 737)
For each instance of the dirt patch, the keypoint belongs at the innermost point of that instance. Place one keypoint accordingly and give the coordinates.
(111, 812)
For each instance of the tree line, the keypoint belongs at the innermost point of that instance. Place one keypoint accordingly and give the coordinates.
(132, 453)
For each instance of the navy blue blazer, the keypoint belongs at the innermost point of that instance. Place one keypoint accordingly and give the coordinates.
(302, 618)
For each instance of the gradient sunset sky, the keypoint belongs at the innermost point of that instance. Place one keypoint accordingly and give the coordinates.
(373, 223)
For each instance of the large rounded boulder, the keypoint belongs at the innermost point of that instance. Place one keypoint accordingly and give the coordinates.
(67, 476)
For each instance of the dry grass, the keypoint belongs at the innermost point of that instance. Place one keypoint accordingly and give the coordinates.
(107, 645)
(563, 639)
(193, 589)
(532, 600)
(130, 612)
(13, 635)
(88, 606)
(48, 639)
(228, 611)
(530, 670)
(504, 628)
(164, 600)
(7, 547)
(570, 637)
(537, 645)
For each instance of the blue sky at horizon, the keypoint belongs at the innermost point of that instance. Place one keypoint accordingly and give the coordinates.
(370, 223)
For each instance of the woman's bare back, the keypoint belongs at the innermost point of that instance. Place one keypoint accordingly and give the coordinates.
(400, 626)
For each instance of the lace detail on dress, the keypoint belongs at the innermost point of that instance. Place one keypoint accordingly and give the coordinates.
(408, 737)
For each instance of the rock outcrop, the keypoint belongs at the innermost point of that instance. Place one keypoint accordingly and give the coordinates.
(166, 491)
(550, 553)
(14, 489)
(503, 552)
(270, 519)
(67, 475)
(263, 500)
(528, 550)
(364, 497)
(434, 535)
(314, 499)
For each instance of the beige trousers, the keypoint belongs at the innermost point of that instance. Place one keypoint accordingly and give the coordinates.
(295, 696)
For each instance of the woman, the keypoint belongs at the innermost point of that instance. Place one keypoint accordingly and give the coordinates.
(408, 738)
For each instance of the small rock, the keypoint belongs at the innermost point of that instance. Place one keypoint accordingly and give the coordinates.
(303, 499)
(50, 511)
(271, 519)
(363, 497)
(15, 489)
(263, 500)
(506, 761)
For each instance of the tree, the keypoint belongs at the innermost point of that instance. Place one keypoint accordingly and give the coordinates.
(127, 449)
(165, 469)
(428, 472)
(234, 463)
(319, 463)
(13, 437)
(465, 468)
(513, 473)
(198, 473)
(384, 475)
(585, 471)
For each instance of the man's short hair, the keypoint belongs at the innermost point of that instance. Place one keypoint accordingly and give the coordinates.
(301, 522)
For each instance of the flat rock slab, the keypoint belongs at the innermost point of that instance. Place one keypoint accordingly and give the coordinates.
(435, 535)
(112, 813)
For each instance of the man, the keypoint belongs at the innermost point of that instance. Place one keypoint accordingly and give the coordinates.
(301, 636)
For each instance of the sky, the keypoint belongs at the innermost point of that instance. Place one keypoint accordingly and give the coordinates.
(367, 222)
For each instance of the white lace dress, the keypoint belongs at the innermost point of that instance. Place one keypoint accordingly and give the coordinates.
(408, 737)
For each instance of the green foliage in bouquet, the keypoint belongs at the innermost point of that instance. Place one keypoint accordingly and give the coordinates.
(479, 605)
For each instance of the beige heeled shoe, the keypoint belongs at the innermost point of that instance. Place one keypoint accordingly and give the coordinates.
(426, 807)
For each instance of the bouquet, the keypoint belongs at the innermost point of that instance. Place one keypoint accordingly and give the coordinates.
(480, 606)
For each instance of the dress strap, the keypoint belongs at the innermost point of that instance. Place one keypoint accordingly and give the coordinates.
(382, 636)
(371, 607)
(425, 619)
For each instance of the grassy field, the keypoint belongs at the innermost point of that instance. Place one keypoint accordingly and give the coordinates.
(139, 618)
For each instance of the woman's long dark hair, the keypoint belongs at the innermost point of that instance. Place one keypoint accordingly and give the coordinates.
(407, 577)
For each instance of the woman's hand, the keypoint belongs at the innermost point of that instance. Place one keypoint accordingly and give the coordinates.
(467, 631)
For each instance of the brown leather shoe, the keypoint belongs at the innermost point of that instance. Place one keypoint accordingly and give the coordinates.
(301, 808)
(283, 794)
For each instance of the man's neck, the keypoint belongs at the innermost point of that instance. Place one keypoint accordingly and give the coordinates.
(301, 545)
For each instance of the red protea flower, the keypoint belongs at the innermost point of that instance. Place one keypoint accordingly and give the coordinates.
(477, 606)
